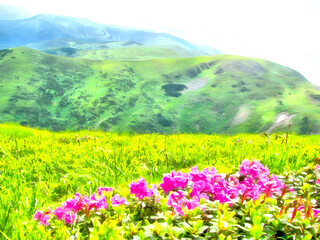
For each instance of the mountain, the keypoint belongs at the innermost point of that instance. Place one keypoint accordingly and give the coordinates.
(41, 29)
(8, 12)
(121, 51)
(210, 94)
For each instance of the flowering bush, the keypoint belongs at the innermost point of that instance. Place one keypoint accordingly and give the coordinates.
(250, 204)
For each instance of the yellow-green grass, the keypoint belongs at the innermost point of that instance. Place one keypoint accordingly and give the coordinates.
(40, 168)
(129, 53)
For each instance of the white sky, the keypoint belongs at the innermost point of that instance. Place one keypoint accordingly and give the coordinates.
(284, 31)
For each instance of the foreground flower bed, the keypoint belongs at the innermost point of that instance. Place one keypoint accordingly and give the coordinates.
(249, 204)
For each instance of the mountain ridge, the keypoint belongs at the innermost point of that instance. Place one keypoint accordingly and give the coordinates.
(17, 33)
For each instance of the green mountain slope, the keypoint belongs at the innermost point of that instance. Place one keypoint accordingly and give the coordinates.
(211, 94)
(120, 51)
(119, 54)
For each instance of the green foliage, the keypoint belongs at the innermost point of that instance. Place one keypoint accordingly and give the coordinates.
(174, 89)
(4, 52)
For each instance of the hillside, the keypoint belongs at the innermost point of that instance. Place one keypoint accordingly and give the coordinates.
(211, 94)
(121, 51)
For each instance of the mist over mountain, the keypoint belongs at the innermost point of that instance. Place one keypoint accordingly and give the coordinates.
(8, 12)
(43, 28)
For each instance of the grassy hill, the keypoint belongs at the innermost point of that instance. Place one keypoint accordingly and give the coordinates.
(211, 94)
(120, 51)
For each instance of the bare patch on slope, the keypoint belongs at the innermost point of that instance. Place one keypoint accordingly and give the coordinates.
(242, 115)
(282, 118)
(196, 84)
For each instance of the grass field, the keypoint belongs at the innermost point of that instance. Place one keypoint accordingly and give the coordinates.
(40, 168)
(136, 53)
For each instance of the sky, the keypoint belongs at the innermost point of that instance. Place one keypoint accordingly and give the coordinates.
(283, 31)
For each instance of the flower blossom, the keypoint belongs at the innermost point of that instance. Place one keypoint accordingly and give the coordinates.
(70, 207)
(176, 200)
(140, 189)
(253, 169)
(101, 189)
(173, 180)
(42, 217)
(117, 201)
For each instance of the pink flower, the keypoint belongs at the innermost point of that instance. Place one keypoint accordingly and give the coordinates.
(117, 201)
(248, 189)
(69, 218)
(140, 189)
(42, 217)
(198, 187)
(191, 203)
(74, 204)
(315, 212)
(59, 213)
(101, 203)
(176, 200)
(254, 168)
(70, 207)
(174, 180)
(92, 202)
(318, 181)
(101, 189)
(270, 184)
(65, 214)
(318, 167)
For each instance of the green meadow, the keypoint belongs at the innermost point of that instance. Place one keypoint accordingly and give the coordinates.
(40, 168)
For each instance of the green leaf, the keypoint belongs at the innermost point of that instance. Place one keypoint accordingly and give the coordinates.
(307, 237)
(256, 231)
(198, 224)
(202, 229)
(256, 220)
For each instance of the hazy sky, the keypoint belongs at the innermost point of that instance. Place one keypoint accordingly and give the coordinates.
(284, 31)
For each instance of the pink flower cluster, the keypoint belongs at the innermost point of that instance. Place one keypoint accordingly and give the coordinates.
(178, 200)
(253, 181)
(140, 189)
(182, 190)
(174, 180)
(117, 201)
(253, 169)
(80, 204)
(70, 207)
(43, 217)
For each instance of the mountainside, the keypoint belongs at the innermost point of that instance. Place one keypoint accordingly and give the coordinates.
(43, 28)
(211, 94)
(122, 51)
